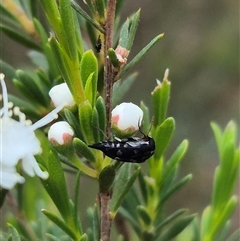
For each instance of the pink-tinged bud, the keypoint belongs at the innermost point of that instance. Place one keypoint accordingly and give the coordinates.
(126, 119)
(122, 54)
(60, 134)
(61, 95)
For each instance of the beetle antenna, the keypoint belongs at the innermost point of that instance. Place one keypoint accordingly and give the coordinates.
(140, 130)
(99, 129)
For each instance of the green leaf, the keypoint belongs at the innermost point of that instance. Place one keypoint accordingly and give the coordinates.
(101, 109)
(61, 60)
(7, 69)
(196, 229)
(124, 34)
(86, 16)
(52, 237)
(175, 159)
(147, 125)
(131, 219)
(34, 91)
(19, 38)
(100, 7)
(162, 136)
(113, 58)
(176, 228)
(144, 215)
(88, 89)
(51, 10)
(69, 26)
(76, 202)
(169, 219)
(83, 149)
(69, 70)
(143, 186)
(138, 57)
(52, 65)
(96, 228)
(66, 228)
(123, 183)
(220, 217)
(160, 99)
(176, 187)
(128, 31)
(56, 187)
(88, 66)
(223, 233)
(73, 122)
(85, 117)
(95, 123)
(218, 136)
(106, 178)
(205, 221)
(13, 233)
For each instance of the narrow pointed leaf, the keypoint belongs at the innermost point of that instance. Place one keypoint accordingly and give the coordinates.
(139, 56)
(163, 135)
(60, 223)
(85, 117)
(56, 187)
(86, 16)
(124, 182)
(175, 159)
(176, 187)
(144, 215)
(169, 219)
(101, 109)
(13, 233)
(177, 228)
(13, 34)
(82, 149)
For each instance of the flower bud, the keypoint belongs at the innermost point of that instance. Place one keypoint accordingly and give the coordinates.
(122, 54)
(126, 119)
(60, 134)
(61, 95)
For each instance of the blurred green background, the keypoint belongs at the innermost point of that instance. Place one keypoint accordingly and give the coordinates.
(201, 49)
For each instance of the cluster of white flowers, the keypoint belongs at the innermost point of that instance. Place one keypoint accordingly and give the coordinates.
(18, 142)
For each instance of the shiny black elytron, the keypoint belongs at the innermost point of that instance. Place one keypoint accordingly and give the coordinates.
(132, 149)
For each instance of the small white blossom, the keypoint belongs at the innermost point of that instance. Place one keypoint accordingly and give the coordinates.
(60, 133)
(9, 177)
(126, 117)
(19, 142)
(61, 95)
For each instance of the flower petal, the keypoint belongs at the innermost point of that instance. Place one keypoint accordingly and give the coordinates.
(31, 167)
(9, 177)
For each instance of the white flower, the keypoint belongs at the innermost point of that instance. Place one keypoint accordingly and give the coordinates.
(60, 133)
(19, 142)
(9, 177)
(61, 95)
(126, 119)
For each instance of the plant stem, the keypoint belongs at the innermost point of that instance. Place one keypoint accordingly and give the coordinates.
(104, 197)
(108, 71)
(106, 222)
